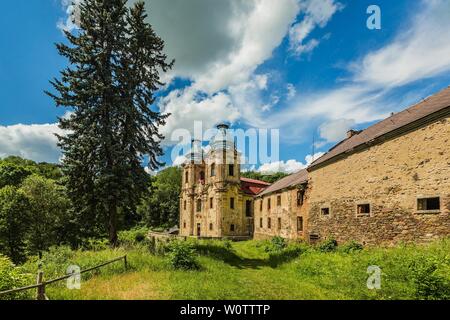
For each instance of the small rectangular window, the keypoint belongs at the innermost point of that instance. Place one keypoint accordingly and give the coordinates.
(269, 223)
(261, 205)
(184, 224)
(300, 197)
(279, 201)
(199, 205)
(184, 205)
(363, 209)
(429, 204)
(300, 224)
(231, 170)
(248, 208)
(231, 203)
(260, 222)
(211, 203)
(186, 177)
(279, 223)
(210, 226)
(325, 211)
(268, 203)
(232, 228)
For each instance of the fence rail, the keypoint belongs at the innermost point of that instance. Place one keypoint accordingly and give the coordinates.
(40, 285)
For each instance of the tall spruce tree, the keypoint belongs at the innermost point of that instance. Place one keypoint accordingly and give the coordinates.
(115, 64)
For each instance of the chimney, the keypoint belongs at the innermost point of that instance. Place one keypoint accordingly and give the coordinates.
(351, 133)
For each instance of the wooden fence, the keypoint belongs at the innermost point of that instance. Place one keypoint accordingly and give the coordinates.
(41, 284)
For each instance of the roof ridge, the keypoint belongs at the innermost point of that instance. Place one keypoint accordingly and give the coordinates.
(415, 112)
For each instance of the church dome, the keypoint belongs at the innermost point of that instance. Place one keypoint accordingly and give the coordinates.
(223, 140)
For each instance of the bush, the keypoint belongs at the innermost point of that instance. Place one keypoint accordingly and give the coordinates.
(351, 247)
(10, 278)
(133, 237)
(227, 245)
(182, 255)
(93, 244)
(285, 255)
(429, 279)
(277, 244)
(328, 245)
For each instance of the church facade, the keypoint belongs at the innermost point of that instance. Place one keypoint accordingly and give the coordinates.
(215, 201)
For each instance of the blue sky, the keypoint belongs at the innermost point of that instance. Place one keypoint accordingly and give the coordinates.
(305, 67)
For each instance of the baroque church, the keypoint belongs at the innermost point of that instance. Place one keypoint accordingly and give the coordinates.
(216, 201)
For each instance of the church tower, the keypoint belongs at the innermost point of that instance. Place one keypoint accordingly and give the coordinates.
(213, 203)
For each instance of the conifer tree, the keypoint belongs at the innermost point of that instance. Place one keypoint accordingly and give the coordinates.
(115, 63)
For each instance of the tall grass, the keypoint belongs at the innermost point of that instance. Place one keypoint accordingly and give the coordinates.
(256, 270)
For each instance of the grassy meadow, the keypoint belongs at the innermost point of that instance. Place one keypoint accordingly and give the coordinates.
(248, 270)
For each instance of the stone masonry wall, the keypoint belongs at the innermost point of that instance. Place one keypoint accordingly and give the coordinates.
(288, 212)
(390, 177)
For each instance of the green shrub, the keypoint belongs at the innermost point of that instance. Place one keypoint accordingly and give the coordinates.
(133, 237)
(430, 279)
(290, 252)
(93, 244)
(227, 245)
(10, 278)
(277, 244)
(182, 255)
(352, 246)
(328, 245)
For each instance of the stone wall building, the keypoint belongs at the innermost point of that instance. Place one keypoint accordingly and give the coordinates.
(282, 209)
(388, 183)
(215, 201)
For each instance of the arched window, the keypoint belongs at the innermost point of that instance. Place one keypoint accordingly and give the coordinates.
(186, 177)
(213, 170)
(199, 205)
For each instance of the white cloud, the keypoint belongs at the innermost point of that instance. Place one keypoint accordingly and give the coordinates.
(420, 51)
(73, 15)
(36, 142)
(336, 130)
(291, 91)
(186, 107)
(225, 44)
(316, 14)
(289, 166)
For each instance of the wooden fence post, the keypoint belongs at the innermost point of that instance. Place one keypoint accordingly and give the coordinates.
(125, 262)
(41, 289)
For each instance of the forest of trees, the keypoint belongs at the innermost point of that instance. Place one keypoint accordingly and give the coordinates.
(36, 212)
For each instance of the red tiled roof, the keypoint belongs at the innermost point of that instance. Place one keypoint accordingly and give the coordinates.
(253, 187)
(289, 181)
(264, 183)
(425, 108)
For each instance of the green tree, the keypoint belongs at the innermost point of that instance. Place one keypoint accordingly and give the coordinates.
(48, 213)
(14, 222)
(115, 62)
(47, 170)
(161, 207)
(264, 177)
(12, 174)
